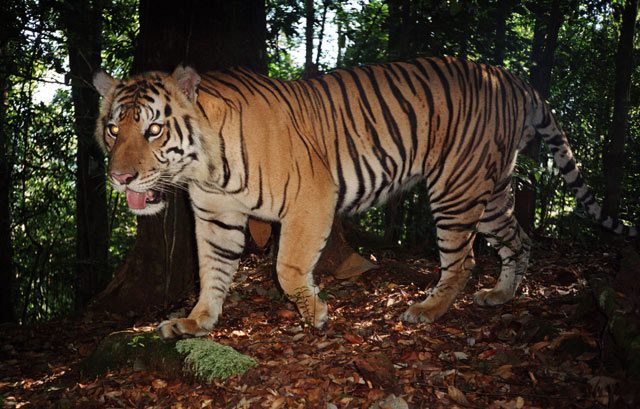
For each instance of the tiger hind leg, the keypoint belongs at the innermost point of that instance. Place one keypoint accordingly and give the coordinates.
(503, 232)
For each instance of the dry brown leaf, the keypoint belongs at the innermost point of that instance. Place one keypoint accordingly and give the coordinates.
(458, 396)
(260, 232)
(278, 402)
(539, 345)
(287, 314)
(353, 266)
(504, 371)
(353, 338)
(456, 332)
(378, 369)
(486, 354)
(313, 395)
(159, 384)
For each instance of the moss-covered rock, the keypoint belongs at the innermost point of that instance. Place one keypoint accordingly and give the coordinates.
(207, 360)
(199, 358)
(139, 350)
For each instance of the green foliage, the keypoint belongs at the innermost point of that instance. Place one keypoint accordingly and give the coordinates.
(365, 32)
(43, 229)
(208, 360)
(283, 17)
(42, 144)
(42, 152)
(120, 29)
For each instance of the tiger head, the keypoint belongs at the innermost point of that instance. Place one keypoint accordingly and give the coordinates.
(151, 131)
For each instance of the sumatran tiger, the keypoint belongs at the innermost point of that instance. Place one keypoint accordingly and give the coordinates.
(301, 152)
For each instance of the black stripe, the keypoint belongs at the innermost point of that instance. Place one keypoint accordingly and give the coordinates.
(222, 225)
(259, 202)
(222, 252)
(571, 165)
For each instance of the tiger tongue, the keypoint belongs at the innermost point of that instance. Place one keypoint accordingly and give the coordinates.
(136, 200)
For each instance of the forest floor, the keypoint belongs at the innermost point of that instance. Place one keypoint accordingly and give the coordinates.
(545, 349)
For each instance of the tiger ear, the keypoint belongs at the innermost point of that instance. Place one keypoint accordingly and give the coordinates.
(188, 80)
(103, 82)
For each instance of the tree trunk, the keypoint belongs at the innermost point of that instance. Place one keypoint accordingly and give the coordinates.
(401, 28)
(323, 21)
(162, 266)
(6, 265)
(83, 25)
(309, 68)
(545, 40)
(502, 11)
(394, 218)
(614, 157)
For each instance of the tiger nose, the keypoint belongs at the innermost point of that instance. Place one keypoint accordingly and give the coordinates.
(122, 178)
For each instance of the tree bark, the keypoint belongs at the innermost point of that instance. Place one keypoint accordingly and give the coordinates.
(6, 265)
(323, 21)
(614, 157)
(401, 28)
(83, 25)
(545, 40)
(309, 68)
(162, 266)
(502, 12)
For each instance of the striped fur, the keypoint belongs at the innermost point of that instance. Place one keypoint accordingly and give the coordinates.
(299, 152)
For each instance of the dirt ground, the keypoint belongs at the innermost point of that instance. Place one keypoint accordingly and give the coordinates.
(548, 348)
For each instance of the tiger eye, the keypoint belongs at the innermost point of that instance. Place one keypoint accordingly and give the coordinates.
(113, 130)
(154, 129)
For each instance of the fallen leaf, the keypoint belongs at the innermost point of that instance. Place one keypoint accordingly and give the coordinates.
(260, 232)
(353, 338)
(278, 402)
(457, 332)
(378, 369)
(353, 266)
(313, 395)
(504, 371)
(539, 345)
(486, 354)
(159, 384)
(287, 314)
(457, 396)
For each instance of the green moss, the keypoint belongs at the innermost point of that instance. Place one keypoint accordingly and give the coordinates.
(207, 359)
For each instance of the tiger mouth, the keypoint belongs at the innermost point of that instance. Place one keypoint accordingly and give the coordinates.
(140, 200)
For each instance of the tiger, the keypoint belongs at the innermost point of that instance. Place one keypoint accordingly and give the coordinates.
(301, 152)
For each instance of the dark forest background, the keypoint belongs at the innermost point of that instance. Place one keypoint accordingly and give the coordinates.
(65, 235)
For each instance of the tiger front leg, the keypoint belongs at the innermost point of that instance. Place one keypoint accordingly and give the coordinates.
(456, 258)
(302, 238)
(220, 239)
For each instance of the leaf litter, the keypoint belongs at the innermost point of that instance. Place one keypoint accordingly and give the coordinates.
(538, 351)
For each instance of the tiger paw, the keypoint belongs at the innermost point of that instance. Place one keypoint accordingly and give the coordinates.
(491, 297)
(321, 314)
(423, 312)
(178, 327)
(316, 315)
